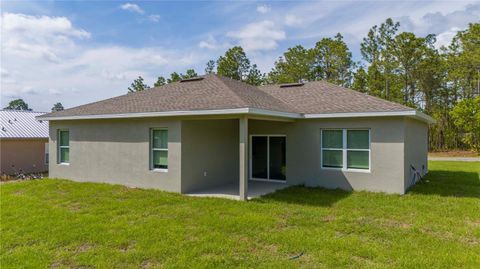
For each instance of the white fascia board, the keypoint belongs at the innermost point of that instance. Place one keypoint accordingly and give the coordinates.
(263, 112)
(424, 117)
(409, 113)
(253, 111)
(360, 114)
(150, 114)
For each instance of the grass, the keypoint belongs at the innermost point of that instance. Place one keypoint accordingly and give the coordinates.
(454, 153)
(63, 224)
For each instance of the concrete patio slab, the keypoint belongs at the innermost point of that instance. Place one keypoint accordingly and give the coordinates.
(231, 191)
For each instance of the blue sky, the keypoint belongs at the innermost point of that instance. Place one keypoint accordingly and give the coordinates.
(80, 52)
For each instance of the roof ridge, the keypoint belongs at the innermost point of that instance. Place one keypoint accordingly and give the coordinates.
(220, 78)
(282, 102)
(253, 87)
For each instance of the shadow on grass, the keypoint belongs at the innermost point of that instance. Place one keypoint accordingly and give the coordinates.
(437, 182)
(306, 196)
(449, 183)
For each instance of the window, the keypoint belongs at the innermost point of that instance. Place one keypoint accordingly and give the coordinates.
(346, 149)
(159, 149)
(358, 149)
(332, 148)
(63, 147)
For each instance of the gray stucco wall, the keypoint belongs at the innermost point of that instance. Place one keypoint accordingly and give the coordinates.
(416, 149)
(210, 153)
(303, 153)
(117, 151)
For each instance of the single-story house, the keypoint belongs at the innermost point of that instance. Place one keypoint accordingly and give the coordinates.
(209, 131)
(23, 142)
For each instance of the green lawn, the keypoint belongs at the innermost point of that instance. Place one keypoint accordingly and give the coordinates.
(59, 223)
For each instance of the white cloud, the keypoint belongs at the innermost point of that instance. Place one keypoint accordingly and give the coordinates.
(436, 22)
(210, 43)
(292, 20)
(445, 38)
(263, 9)
(320, 19)
(40, 25)
(44, 60)
(113, 76)
(4, 73)
(258, 36)
(137, 9)
(132, 7)
(154, 18)
(213, 44)
(39, 37)
(54, 91)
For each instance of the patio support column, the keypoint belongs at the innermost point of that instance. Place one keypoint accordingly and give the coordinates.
(243, 157)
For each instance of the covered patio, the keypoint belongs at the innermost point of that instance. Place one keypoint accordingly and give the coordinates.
(242, 161)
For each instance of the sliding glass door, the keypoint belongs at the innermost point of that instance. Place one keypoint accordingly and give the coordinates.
(268, 157)
(259, 157)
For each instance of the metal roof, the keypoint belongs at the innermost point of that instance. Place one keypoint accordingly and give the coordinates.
(22, 124)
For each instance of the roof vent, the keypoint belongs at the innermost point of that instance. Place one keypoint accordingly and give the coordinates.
(288, 85)
(3, 129)
(191, 79)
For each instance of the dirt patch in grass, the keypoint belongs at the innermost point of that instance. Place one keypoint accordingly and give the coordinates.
(474, 223)
(364, 221)
(472, 241)
(270, 248)
(19, 192)
(343, 233)
(390, 223)
(66, 264)
(63, 192)
(329, 218)
(74, 207)
(449, 236)
(128, 246)
(282, 223)
(83, 248)
(146, 265)
(363, 260)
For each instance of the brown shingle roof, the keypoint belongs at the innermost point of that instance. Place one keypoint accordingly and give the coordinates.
(319, 97)
(216, 92)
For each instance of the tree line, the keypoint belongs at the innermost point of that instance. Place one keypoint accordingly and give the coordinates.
(396, 66)
(20, 104)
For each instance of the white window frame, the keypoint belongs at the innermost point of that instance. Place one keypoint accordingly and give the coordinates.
(152, 149)
(344, 150)
(268, 179)
(59, 147)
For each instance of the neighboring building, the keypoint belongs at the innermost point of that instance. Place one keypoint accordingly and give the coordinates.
(23, 142)
(204, 132)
